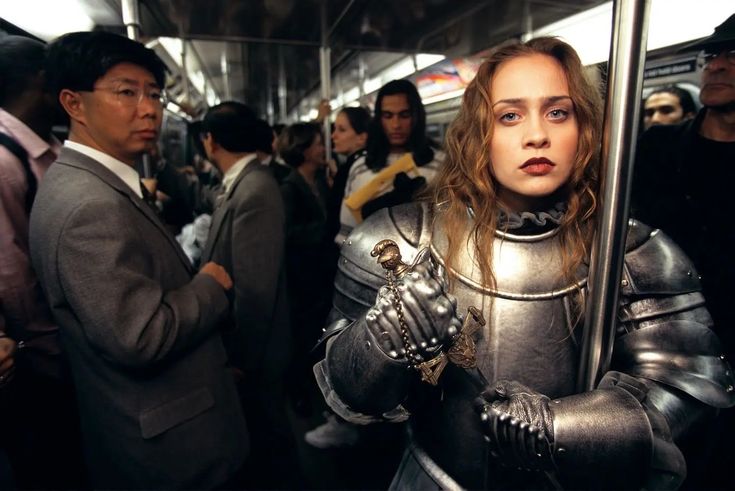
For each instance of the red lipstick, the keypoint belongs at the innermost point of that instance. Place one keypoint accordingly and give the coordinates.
(538, 166)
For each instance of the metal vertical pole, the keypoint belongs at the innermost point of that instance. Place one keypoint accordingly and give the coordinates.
(131, 18)
(282, 89)
(325, 71)
(185, 73)
(225, 68)
(622, 108)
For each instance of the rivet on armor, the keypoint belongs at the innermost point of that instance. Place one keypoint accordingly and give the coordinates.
(561, 450)
(689, 273)
(722, 357)
(624, 282)
(367, 343)
(730, 388)
(349, 242)
(344, 261)
(556, 401)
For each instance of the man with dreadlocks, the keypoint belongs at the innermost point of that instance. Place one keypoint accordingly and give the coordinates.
(506, 240)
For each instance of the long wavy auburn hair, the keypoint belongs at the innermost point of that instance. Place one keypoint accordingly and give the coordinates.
(466, 178)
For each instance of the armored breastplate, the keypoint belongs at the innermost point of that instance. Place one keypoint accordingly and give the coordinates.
(529, 335)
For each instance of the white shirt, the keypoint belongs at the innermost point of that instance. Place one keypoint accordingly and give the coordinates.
(235, 171)
(122, 170)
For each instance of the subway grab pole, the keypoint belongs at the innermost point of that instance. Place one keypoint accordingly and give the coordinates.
(620, 127)
(324, 66)
(325, 70)
(131, 18)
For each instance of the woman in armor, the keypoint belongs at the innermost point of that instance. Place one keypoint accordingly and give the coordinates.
(477, 342)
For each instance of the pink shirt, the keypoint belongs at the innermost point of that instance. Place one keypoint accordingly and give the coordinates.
(23, 307)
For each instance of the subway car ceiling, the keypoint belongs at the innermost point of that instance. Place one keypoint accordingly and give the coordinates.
(266, 53)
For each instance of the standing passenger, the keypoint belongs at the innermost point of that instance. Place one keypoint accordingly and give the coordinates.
(247, 238)
(158, 405)
(400, 158)
(36, 394)
(668, 105)
(304, 194)
(511, 223)
(683, 185)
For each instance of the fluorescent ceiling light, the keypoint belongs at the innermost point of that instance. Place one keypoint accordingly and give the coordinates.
(197, 80)
(671, 22)
(399, 70)
(443, 97)
(372, 84)
(46, 19)
(173, 47)
(424, 60)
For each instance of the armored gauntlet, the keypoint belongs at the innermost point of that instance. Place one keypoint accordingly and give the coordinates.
(414, 317)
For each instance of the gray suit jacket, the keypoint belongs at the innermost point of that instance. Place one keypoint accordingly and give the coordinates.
(157, 403)
(247, 239)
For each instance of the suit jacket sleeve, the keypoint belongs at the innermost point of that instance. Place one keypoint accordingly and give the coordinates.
(257, 260)
(108, 274)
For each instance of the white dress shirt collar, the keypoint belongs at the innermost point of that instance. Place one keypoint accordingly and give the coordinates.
(235, 171)
(122, 170)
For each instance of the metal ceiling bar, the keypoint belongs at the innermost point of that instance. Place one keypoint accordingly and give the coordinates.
(620, 127)
(448, 22)
(131, 18)
(339, 18)
(253, 40)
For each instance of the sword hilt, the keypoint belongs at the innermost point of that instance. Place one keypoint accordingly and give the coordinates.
(389, 257)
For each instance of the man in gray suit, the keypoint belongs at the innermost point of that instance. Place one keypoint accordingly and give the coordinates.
(247, 238)
(157, 402)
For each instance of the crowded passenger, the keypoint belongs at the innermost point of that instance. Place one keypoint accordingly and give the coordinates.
(683, 185)
(399, 161)
(39, 425)
(140, 328)
(304, 193)
(668, 105)
(349, 138)
(247, 237)
(504, 242)
(266, 149)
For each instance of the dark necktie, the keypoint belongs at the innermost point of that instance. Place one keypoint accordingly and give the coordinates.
(148, 198)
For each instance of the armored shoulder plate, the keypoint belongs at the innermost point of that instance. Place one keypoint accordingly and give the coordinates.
(359, 276)
(655, 265)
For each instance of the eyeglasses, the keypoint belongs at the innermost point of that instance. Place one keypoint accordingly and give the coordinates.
(132, 96)
(705, 58)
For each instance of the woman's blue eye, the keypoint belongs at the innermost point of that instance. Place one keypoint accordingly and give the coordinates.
(509, 117)
(558, 114)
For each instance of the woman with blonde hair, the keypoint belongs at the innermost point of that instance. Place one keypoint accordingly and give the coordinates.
(504, 242)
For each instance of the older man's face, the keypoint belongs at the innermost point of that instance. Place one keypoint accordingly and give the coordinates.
(718, 79)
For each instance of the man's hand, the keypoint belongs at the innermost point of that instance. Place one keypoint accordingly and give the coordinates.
(218, 273)
(7, 360)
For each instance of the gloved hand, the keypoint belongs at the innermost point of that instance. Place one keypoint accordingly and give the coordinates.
(430, 312)
(518, 425)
